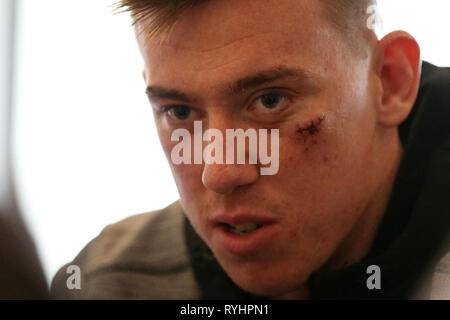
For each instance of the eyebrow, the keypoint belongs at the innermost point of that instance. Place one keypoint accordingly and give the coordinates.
(277, 74)
(164, 93)
(244, 84)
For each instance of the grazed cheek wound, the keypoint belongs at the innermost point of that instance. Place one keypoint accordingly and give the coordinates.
(310, 130)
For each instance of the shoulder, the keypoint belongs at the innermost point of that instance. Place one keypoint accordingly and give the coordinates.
(440, 287)
(143, 256)
(433, 74)
(434, 90)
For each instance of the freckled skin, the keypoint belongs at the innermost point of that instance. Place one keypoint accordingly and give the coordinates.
(323, 192)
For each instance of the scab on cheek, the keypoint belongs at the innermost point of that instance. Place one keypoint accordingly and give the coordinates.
(308, 133)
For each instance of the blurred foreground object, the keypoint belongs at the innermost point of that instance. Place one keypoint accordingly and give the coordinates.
(21, 275)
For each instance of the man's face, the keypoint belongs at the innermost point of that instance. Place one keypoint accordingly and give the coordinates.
(270, 65)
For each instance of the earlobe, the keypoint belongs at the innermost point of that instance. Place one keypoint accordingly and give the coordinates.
(398, 67)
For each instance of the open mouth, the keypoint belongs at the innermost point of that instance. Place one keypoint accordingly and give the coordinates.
(245, 236)
(244, 228)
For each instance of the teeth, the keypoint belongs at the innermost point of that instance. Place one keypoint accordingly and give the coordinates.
(244, 228)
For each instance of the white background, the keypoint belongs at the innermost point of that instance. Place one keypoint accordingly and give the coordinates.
(87, 152)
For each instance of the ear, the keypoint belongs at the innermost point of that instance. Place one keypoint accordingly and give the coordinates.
(398, 67)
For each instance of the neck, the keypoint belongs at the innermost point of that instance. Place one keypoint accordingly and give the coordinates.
(359, 241)
(300, 294)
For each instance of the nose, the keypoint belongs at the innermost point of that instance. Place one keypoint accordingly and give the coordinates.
(224, 178)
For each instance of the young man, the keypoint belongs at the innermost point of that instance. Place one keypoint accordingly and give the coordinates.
(359, 204)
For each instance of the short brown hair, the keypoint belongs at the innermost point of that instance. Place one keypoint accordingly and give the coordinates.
(160, 15)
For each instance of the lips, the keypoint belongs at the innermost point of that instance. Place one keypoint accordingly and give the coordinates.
(243, 234)
(240, 219)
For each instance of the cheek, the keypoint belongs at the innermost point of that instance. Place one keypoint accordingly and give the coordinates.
(310, 141)
(307, 135)
(164, 136)
(309, 158)
(311, 127)
(187, 176)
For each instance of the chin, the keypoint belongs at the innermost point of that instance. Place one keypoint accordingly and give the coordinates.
(267, 281)
(272, 288)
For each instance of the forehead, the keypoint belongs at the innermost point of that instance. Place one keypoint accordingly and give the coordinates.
(239, 36)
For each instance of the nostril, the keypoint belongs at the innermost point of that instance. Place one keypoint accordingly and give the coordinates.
(224, 178)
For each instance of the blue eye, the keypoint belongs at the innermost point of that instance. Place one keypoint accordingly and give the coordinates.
(179, 112)
(271, 101)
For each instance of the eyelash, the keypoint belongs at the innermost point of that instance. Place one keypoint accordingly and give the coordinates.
(283, 97)
(166, 109)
